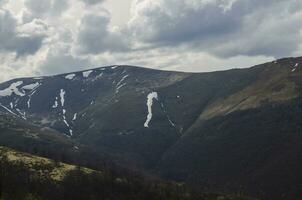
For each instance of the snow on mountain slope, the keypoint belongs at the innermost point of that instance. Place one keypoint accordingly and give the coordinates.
(70, 76)
(89, 95)
(150, 98)
(12, 89)
(62, 100)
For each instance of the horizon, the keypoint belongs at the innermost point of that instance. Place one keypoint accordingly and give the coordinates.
(148, 33)
(150, 68)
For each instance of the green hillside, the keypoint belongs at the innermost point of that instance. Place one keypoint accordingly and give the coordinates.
(28, 177)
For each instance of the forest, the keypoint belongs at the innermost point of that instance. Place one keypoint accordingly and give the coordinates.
(35, 181)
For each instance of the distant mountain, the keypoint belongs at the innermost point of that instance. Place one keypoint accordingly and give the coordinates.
(235, 130)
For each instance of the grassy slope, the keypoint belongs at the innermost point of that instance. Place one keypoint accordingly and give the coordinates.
(40, 166)
(39, 178)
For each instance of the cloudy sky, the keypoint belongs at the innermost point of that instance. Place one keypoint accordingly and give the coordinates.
(44, 37)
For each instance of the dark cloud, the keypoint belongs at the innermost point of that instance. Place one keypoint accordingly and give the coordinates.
(179, 21)
(224, 28)
(92, 2)
(94, 36)
(25, 42)
(61, 60)
(26, 45)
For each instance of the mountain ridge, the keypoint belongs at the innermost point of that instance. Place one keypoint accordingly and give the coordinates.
(175, 124)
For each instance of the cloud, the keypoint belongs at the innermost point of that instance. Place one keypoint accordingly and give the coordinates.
(44, 8)
(58, 57)
(62, 61)
(92, 2)
(224, 28)
(2, 2)
(174, 21)
(23, 39)
(95, 37)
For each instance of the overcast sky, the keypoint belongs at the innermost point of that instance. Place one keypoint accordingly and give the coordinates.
(43, 37)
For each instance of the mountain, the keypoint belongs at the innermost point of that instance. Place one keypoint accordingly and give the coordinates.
(25, 176)
(235, 130)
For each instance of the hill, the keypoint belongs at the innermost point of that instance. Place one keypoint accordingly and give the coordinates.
(234, 131)
(24, 176)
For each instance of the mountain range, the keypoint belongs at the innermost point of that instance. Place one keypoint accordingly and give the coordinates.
(228, 131)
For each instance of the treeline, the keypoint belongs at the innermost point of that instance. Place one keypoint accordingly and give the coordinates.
(19, 181)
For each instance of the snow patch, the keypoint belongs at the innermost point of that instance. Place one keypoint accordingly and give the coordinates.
(29, 98)
(7, 109)
(171, 122)
(12, 89)
(98, 77)
(120, 84)
(119, 87)
(74, 117)
(295, 67)
(150, 97)
(70, 76)
(64, 120)
(66, 123)
(56, 103)
(31, 86)
(87, 73)
(168, 116)
(62, 100)
(62, 96)
(121, 81)
(23, 114)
